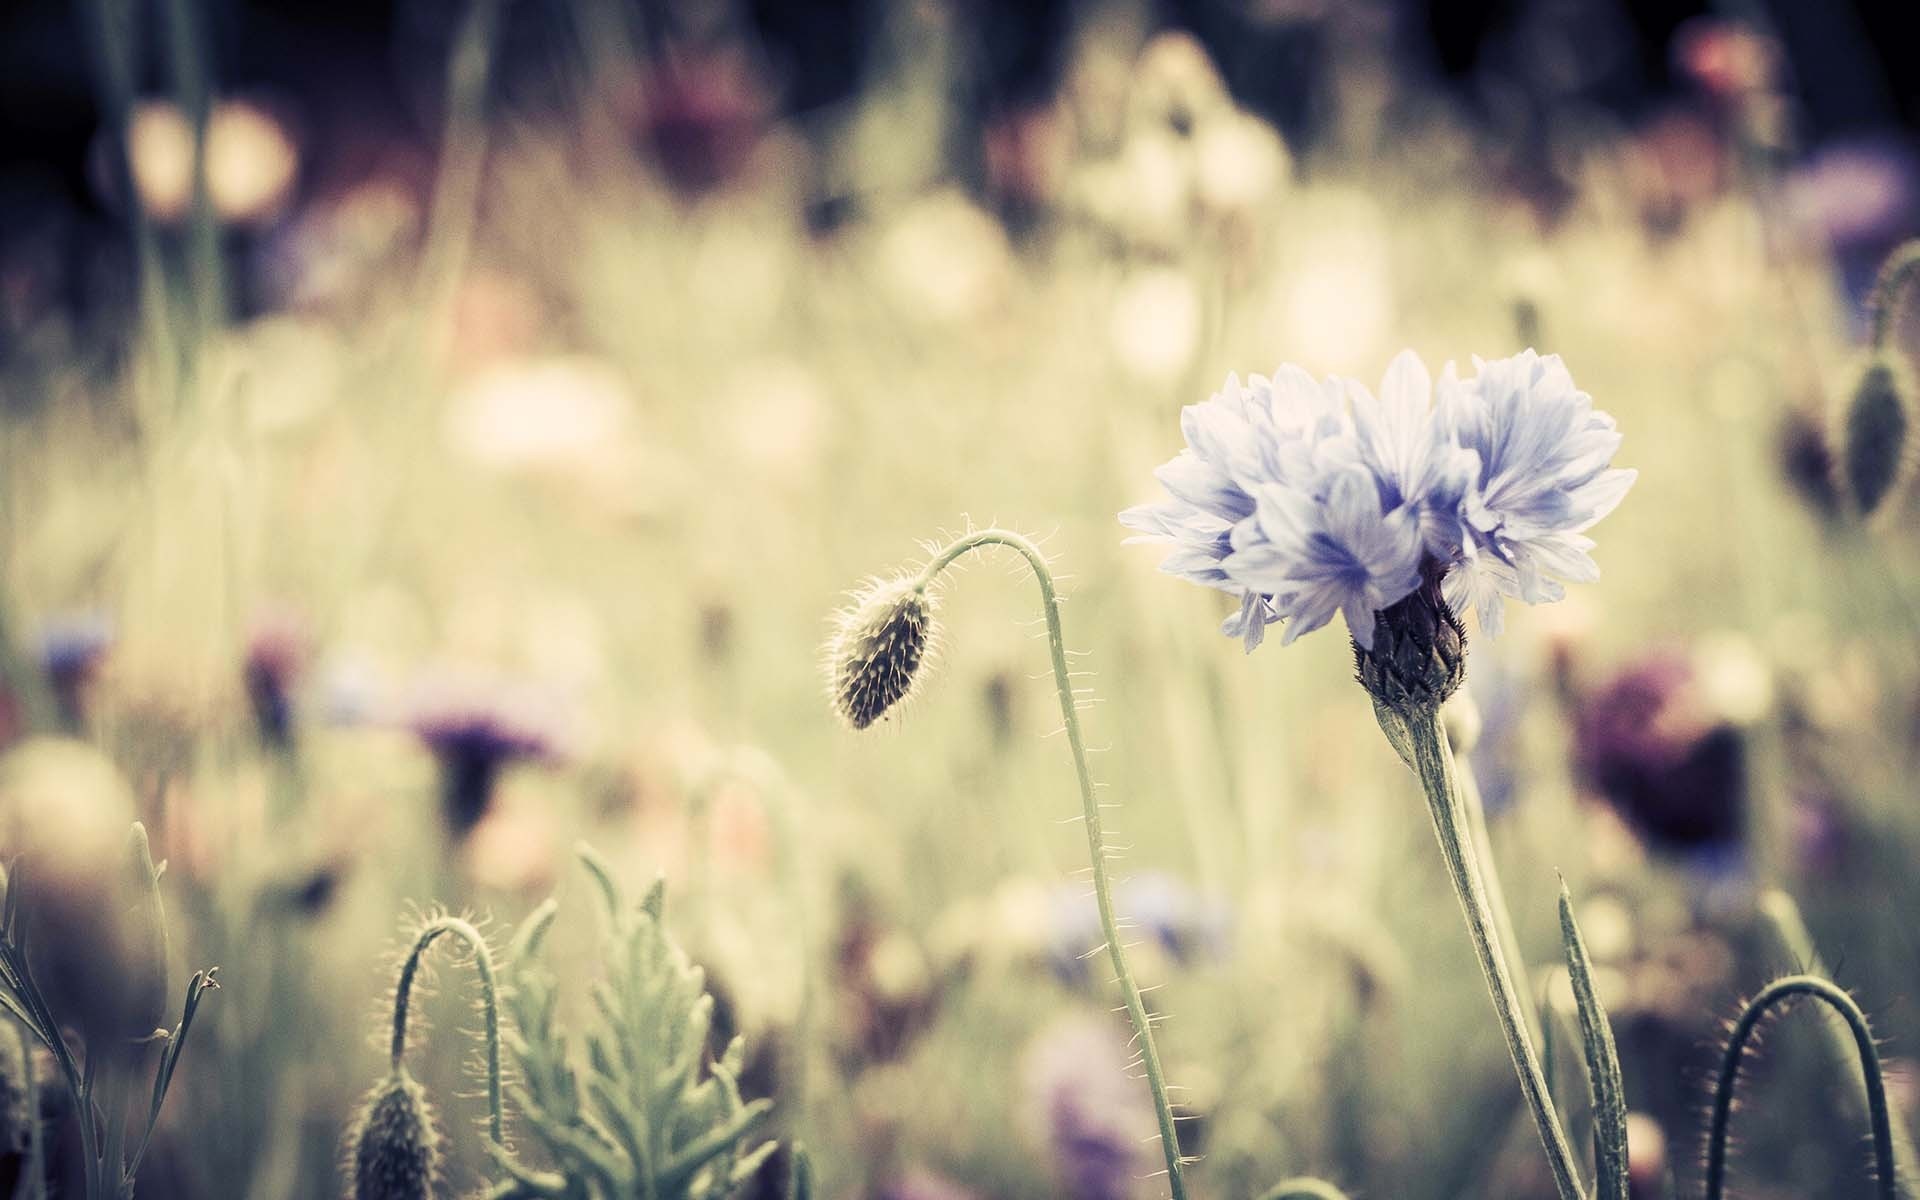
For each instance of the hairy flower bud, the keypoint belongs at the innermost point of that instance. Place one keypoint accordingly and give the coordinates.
(878, 645)
(1419, 653)
(1877, 434)
(393, 1151)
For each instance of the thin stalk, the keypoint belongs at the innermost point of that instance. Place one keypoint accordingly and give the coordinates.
(489, 1006)
(1496, 894)
(1090, 806)
(1777, 992)
(193, 92)
(1433, 761)
(463, 155)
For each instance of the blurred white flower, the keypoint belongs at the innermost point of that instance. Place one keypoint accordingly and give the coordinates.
(539, 413)
(1239, 161)
(945, 259)
(1155, 326)
(251, 161)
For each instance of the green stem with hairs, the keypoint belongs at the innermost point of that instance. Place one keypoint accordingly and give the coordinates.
(1883, 303)
(463, 152)
(1790, 930)
(1096, 841)
(489, 1005)
(1777, 992)
(1433, 761)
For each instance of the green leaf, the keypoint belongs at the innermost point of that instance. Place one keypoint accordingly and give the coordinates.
(1604, 1081)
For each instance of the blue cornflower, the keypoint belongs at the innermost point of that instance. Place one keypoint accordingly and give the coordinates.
(1308, 498)
(1544, 477)
(1305, 499)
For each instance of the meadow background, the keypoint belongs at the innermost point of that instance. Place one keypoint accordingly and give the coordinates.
(571, 407)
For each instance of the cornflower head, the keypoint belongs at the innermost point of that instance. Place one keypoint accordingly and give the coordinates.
(1399, 511)
(475, 730)
(1308, 498)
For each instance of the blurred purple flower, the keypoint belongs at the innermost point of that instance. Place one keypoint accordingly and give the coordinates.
(276, 657)
(71, 649)
(1096, 1122)
(1189, 926)
(475, 727)
(1675, 772)
(1860, 198)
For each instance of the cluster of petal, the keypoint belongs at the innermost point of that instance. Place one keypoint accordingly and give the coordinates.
(1306, 498)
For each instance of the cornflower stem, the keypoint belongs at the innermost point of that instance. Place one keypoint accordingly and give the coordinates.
(1090, 806)
(1433, 761)
(489, 1005)
(1883, 303)
(1878, 1112)
(1496, 894)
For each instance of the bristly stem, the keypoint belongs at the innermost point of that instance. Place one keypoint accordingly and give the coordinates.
(1883, 303)
(1836, 998)
(1784, 919)
(1433, 761)
(489, 1005)
(1096, 841)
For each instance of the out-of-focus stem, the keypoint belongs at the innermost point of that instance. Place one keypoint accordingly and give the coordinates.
(463, 153)
(1779, 991)
(1433, 761)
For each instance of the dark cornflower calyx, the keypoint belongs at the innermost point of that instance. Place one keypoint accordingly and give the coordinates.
(878, 645)
(1419, 653)
(1876, 435)
(394, 1151)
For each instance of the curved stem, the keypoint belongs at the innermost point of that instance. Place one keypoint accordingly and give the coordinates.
(1778, 991)
(1433, 760)
(1096, 842)
(1883, 303)
(489, 1005)
(1796, 942)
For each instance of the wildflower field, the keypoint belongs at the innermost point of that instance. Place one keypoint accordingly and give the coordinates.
(609, 630)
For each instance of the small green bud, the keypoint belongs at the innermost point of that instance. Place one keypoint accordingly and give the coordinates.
(1876, 437)
(394, 1150)
(877, 648)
